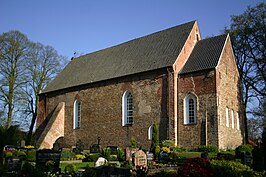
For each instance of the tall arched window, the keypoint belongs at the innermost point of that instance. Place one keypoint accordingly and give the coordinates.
(77, 114)
(127, 109)
(190, 107)
(150, 132)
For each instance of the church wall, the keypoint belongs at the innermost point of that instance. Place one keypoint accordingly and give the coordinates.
(202, 85)
(101, 109)
(228, 96)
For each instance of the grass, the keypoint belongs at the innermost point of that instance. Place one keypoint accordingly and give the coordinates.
(79, 165)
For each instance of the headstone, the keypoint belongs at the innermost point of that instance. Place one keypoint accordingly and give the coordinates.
(140, 158)
(150, 156)
(100, 162)
(95, 148)
(45, 155)
(22, 143)
(163, 156)
(104, 171)
(204, 155)
(129, 152)
(113, 150)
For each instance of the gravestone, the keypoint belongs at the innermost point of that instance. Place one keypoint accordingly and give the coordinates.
(163, 157)
(22, 143)
(104, 171)
(150, 156)
(140, 158)
(45, 155)
(129, 152)
(113, 150)
(100, 162)
(95, 148)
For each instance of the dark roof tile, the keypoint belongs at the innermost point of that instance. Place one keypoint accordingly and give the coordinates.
(205, 55)
(154, 51)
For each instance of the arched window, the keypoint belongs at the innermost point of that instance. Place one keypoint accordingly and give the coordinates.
(77, 115)
(227, 116)
(150, 133)
(190, 107)
(127, 109)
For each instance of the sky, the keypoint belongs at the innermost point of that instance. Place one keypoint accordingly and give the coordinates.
(85, 26)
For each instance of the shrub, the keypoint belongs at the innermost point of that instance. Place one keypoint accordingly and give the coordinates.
(164, 173)
(208, 148)
(21, 154)
(225, 156)
(80, 156)
(133, 143)
(179, 149)
(166, 149)
(89, 172)
(141, 171)
(106, 153)
(8, 154)
(67, 153)
(70, 168)
(27, 169)
(31, 155)
(168, 143)
(233, 169)
(157, 151)
(244, 147)
(196, 167)
(258, 160)
(120, 155)
(91, 157)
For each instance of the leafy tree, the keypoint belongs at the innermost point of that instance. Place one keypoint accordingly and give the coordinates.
(247, 32)
(13, 51)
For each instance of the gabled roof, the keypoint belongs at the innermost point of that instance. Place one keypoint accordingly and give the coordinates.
(205, 55)
(154, 51)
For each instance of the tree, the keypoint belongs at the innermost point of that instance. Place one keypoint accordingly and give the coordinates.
(247, 33)
(154, 140)
(13, 51)
(42, 66)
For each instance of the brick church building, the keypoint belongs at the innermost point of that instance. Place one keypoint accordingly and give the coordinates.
(187, 86)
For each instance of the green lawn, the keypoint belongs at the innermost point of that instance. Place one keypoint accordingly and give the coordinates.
(79, 165)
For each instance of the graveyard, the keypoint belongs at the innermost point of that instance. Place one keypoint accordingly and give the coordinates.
(166, 160)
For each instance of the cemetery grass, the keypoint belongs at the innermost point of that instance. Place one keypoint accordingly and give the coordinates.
(79, 165)
(195, 154)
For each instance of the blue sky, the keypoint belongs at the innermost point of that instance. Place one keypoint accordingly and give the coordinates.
(85, 26)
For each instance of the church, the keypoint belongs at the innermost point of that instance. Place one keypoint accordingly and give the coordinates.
(187, 86)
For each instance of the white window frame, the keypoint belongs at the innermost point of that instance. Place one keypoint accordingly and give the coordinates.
(233, 119)
(237, 121)
(227, 116)
(188, 111)
(127, 109)
(150, 132)
(76, 114)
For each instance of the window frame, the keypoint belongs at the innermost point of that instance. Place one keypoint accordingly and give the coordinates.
(227, 117)
(127, 109)
(187, 109)
(76, 114)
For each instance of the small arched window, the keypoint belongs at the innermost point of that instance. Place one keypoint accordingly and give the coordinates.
(190, 107)
(77, 114)
(150, 133)
(127, 109)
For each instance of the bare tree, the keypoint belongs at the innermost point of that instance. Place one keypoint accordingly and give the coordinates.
(248, 37)
(43, 65)
(13, 51)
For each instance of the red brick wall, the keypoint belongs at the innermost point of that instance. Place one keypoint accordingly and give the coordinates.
(101, 109)
(202, 85)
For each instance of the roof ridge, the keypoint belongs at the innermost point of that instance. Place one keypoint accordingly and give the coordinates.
(137, 38)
